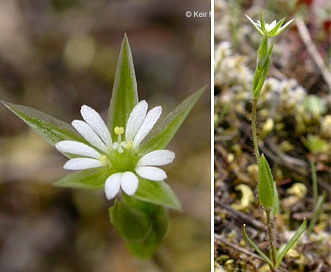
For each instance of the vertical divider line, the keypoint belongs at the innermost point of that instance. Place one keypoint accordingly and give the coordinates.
(212, 153)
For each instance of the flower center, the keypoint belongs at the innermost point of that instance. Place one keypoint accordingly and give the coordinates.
(123, 161)
(121, 157)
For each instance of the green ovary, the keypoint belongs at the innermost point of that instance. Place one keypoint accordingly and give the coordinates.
(124, 161)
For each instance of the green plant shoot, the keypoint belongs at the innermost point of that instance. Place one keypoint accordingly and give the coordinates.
(121, 156)
(267, 190)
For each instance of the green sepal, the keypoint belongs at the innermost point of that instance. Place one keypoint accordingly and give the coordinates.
(145, 249)
(131, 223)
(281, 29)
(158, 214)
(160, 222)
(158, 193)
(165, 129)
(91, 179)
(255, 26)
(50, 128)
(274, 31)
(267, 190)
(262, 23)
(124, 94)
(143, 225)
(282, 252)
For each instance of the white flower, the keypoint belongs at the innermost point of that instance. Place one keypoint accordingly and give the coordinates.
(268, 27)
(121, 156)
(272, 29)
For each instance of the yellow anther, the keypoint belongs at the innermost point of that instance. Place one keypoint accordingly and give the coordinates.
(103, 159)
(119, 130)
(129, 145)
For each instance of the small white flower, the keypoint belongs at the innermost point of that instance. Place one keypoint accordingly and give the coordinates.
(272, 30)
(121, 156)
(268, 27)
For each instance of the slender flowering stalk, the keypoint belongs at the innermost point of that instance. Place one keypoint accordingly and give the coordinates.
(265, 49)
(122, 155)
(267, 189)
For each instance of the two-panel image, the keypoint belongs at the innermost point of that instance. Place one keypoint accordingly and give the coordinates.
(165, 136)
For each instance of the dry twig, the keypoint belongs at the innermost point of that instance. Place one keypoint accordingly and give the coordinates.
(306, 38)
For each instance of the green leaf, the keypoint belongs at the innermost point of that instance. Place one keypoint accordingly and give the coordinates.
(262, 52)
(50, 128)
(165, 129)
(124, 95)
(281, 253)
(91, 179)
(266, 187)
(318, 207)
(276, 203)
(157, 192)
(259, 79)
(263, 64)
(257, 249)
(130, 223)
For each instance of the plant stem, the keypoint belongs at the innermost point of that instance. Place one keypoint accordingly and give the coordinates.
(271, 236)
(314, 179)
(255, 142)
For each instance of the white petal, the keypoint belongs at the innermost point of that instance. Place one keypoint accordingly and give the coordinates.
(151, 173)
(112, 185)
(82, 164)
(271, 26)
(129, 183)
(151, 118)
(157, 157)
(77, 148)
(89, 134)
(95, 121)
(135, 120)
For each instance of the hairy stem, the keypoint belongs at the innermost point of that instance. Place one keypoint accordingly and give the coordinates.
(271, 236)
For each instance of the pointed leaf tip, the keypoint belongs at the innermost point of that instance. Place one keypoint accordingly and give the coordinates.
(166, 128)
(281, 253)
(50, 128)
(124, 94)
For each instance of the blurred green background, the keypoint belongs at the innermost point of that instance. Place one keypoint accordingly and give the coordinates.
(58, 55)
